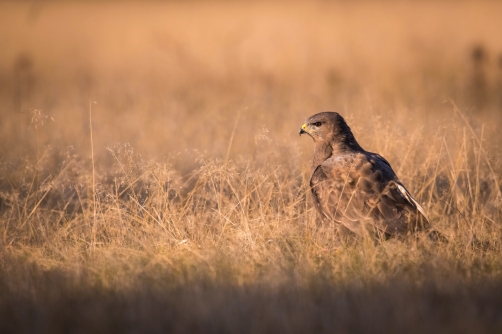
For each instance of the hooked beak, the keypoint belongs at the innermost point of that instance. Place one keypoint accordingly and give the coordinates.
(303, 128)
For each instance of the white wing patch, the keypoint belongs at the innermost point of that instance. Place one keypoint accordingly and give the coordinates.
(411, 200)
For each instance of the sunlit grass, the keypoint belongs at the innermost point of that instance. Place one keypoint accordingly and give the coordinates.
(190, 209)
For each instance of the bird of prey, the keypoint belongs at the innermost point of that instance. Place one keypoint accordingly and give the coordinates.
(354, 188)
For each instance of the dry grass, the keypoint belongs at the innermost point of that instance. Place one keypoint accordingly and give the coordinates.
(192, 214)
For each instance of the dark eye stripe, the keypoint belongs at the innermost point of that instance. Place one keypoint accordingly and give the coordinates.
(317, 123)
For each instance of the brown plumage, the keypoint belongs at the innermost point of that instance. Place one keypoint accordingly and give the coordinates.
(354, 188)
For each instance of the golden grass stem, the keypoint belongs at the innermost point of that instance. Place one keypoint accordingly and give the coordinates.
(93, 178)
(231, 140)
(480, 145)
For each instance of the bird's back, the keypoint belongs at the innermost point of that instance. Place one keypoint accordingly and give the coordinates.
(359, 190)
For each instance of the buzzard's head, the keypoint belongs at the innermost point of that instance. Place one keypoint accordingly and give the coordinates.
(325, 126)
(329, 129)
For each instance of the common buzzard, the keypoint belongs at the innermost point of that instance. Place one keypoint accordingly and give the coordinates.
(357, 189)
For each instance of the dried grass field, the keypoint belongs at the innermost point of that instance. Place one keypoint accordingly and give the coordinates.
(185, 207)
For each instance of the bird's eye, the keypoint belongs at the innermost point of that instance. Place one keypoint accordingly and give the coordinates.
(318, 124)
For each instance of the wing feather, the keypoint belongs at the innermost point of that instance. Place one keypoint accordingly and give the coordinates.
(361, 189)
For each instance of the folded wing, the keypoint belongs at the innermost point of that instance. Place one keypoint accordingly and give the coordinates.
(359, 190)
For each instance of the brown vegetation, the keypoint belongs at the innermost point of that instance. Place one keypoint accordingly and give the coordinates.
(193, 212)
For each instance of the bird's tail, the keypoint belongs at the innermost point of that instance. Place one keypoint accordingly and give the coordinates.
(436, 236)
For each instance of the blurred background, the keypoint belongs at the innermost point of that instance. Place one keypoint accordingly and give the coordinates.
(182, 75)
(195, 215)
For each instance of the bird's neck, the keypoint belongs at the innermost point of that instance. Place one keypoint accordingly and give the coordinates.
(324, 150)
